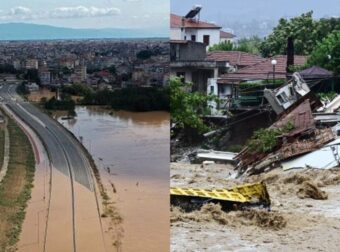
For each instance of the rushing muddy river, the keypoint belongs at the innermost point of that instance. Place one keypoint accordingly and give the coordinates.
(132, 152)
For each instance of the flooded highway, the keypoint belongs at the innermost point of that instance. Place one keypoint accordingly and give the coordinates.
(131, 151)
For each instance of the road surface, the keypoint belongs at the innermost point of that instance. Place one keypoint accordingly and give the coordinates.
(73, 221)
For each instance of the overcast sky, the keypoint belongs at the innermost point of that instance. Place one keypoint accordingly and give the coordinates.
(244, 10)
(88, 13)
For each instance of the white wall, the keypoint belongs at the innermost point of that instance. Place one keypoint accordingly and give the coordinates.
(212, 83)
(213, 33)
(175, 34)
(222, 40)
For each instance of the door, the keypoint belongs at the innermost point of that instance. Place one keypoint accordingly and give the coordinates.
(206, 40)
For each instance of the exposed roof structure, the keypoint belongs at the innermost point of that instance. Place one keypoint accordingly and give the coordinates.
(263, 70)
(235, 58)
(301, 117)
(226, 35)
(176, 22)
(315, 72)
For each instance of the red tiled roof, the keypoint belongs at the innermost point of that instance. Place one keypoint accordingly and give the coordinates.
(235, 58)
(263, 70)
(176, 22)
(226, 35)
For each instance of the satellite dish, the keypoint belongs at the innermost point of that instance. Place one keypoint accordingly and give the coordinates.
(194, 11)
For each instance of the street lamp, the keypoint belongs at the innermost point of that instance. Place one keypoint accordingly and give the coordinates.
(274, 62)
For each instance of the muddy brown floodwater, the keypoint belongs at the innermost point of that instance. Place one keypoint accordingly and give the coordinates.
(131, 151)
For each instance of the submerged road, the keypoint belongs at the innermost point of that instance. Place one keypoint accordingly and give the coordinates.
(73, 221)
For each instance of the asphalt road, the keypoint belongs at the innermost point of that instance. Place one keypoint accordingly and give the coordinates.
(64, 151)
(73, 222)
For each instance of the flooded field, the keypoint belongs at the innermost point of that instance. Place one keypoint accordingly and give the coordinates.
(132, 152)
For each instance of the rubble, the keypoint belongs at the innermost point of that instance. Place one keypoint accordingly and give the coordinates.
(310, 190)
(303, 137)
(219, 156)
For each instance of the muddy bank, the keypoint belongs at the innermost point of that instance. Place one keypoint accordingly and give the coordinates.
(304, 215)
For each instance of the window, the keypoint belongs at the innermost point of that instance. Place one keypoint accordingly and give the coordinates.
(291, 90)
(211, 89)
(280, 99)
(193, 37)
(206, 39)
(284, 97)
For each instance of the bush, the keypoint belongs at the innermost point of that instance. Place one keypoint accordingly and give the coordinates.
(54, 104)
(265, 140)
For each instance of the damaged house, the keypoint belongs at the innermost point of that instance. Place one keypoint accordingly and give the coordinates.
(294, 133)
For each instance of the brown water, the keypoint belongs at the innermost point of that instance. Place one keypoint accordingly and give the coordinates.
(132, 152)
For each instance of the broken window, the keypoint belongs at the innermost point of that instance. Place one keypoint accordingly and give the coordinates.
(279, 97)
(284, 97)
(291, 90)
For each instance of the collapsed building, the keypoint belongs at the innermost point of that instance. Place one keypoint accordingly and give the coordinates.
(294, 104)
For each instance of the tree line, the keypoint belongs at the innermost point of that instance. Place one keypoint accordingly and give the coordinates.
(132, 98)
(318, 39)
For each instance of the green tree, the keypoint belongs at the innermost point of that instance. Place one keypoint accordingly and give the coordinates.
(186, 108)
(250, 45)
(325, 26)
(77, 89)
(302, 29)
(327, 53)
(305, 31)
(144, 54)
(223, 46)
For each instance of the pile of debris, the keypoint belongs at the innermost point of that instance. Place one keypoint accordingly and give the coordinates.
(294, 104)
(236, 198)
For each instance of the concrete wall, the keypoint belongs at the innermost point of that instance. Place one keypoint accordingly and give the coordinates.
(190, 51)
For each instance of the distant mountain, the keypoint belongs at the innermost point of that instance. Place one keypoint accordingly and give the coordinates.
(24, 31)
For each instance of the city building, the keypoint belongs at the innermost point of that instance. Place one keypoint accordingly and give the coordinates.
(32, 64)
(45, 76)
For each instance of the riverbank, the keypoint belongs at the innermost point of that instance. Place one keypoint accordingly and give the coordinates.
(15, 189)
